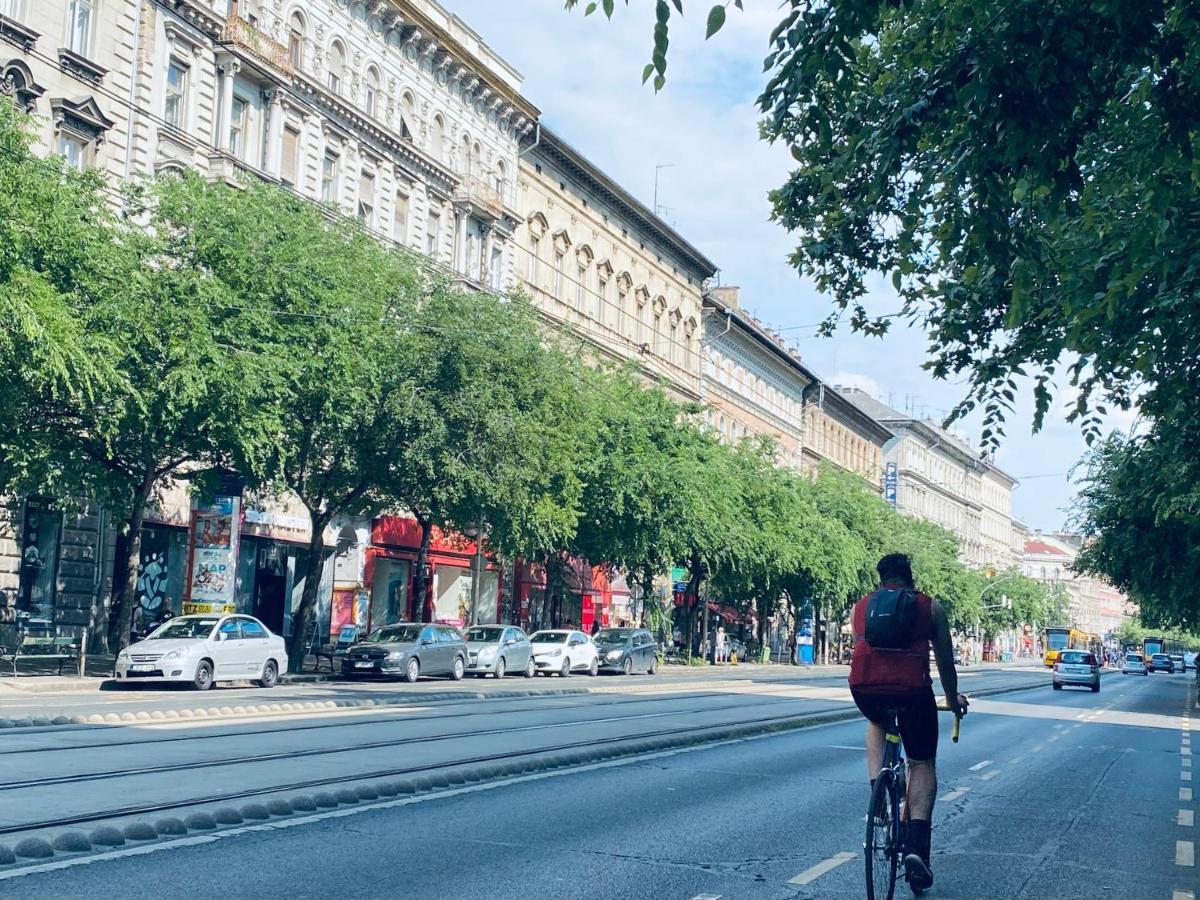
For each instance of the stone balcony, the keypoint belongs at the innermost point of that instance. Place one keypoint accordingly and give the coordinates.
(243, 36)
(481, 195)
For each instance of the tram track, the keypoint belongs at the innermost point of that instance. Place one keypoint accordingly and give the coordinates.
(673, 732)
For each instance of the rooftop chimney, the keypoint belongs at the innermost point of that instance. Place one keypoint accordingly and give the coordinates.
(726, 294)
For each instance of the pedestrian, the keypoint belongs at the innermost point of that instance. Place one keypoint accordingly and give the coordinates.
(595, 627)
(722, 644)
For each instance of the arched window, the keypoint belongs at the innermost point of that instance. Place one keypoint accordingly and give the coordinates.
(337, 67)
(476, 160)
(500, 178)
(297, 32)
(371, 91)
(408, 113)
(437, 139)
(468, 159)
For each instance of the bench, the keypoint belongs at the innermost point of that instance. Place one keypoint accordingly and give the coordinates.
(19, 644)
(346, 637)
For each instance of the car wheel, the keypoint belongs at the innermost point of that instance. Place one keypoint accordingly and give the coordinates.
(594, 668)
(653, 665)
(412, 671)
(270, 674)
(204, 676)
(627, 666)
(1095, 688)
(501, 665)
(565, 670)
(456, 673)
(1057, 686)
(530, 668)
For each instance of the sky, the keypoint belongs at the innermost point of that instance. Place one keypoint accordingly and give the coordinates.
(585, 76)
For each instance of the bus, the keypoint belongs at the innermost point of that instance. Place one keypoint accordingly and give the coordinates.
(1063, 637)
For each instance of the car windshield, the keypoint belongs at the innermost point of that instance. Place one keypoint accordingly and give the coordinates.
(177, 629)
(1159, 656)
(1056, 640)
(612, 635)
(549, 637)
(1133, 658)
(395, 634)
(484, 635)
(1076, 658)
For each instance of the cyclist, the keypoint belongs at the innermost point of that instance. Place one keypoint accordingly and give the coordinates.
(898, 679)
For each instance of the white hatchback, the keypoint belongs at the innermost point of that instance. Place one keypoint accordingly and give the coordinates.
(205, 649)
(564, 651)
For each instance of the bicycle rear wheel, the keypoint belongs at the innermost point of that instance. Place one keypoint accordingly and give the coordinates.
(882, 852)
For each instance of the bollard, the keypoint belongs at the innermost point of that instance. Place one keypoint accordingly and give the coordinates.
(82, 651)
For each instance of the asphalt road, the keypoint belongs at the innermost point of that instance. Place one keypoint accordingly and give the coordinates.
(1048, 794)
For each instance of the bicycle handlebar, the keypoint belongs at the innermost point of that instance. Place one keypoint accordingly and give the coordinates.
(943, 705)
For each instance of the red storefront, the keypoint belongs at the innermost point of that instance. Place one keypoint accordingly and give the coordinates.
(590, 594)
(390, 576)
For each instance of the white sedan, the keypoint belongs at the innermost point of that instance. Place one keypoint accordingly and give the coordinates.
(205, 649)
(564, 651)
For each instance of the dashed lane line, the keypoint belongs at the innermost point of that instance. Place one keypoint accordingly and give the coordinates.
(1187, 762)
(1039, 748)
(988, 776)
(707, 897)
(981, 765)
(1185, 853)
(950, 796)
(1185, 793)
(1182, 895)
(821, 868)
(1185, 775)
(1016, 761)
(1186, 818)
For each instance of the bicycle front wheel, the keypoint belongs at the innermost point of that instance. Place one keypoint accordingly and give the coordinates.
(882, 843)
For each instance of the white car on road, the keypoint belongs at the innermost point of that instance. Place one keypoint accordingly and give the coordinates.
(205, 649)
(564, 651)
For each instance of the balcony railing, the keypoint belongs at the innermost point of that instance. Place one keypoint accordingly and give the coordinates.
(478, 192)
(246, 36)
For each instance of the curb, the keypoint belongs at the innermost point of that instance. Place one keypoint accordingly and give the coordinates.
(277, 708)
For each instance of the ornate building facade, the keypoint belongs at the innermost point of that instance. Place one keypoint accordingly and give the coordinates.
(601, 266)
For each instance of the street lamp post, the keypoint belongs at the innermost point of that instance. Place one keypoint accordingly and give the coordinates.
(475, 532)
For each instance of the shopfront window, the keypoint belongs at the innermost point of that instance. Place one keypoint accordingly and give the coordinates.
(451, 593)
(389, 592)
(40, 538)
(161, 571)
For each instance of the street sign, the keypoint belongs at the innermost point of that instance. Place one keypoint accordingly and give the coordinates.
(889, 483)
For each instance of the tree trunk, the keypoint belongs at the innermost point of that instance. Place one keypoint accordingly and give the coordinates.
(697, 572)
(421, 582)
(297, 648)
(121, 618)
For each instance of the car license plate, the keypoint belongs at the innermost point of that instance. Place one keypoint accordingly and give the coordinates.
(364, 665)
(141, 668)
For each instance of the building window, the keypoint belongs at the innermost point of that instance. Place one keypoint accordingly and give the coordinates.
(80, 14)
(534, 259)
(497, 269)
(290, 165)
(366, 198)
(500, 180)
(238, 112)
(400, 218)
(580, 289)
(74, 150)
(296, 40)
(175, 105)
(602, 302)
(370, 91)
(10, 8)
(337, 67)
(437, 139)
(329, 176)
(558, 275)
(433, 225)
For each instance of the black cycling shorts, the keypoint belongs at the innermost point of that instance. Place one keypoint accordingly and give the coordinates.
(918, 719)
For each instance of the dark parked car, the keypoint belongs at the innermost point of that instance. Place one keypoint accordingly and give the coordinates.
(408, 649)
(626, 650)
(1160, 662)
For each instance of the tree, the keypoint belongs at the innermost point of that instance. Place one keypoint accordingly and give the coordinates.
(326, 321)
(1024, 174)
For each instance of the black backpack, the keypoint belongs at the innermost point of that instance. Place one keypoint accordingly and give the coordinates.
(891, 619)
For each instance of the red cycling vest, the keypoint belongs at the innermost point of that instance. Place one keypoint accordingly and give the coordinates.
(892, 671)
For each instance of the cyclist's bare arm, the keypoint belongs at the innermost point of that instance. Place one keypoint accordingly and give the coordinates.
(943, 653)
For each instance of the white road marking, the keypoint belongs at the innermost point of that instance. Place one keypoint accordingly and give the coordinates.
(707, 897)
(821, 868)
(981, 765)
(847, 747)
(1185, 751)
(1185, 793)
(1185, 776)
(1019, 759)
(1185, 818)
(1182, 895)
(1053, 737)
(954, 794)
(988, 776)
(1039, 748)
(1185, 853)
(1187, 762)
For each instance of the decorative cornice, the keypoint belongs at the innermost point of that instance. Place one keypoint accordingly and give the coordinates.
(15, 33)
(80, 66)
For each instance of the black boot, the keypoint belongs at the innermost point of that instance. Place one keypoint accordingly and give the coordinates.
(916, 856)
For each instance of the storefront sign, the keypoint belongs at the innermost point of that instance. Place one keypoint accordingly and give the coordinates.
(212, 583)
(889, 483)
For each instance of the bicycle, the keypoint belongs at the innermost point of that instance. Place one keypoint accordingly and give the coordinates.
(884, 847)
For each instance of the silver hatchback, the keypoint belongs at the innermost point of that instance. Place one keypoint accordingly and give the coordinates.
(498, 650)
(1078, 668)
